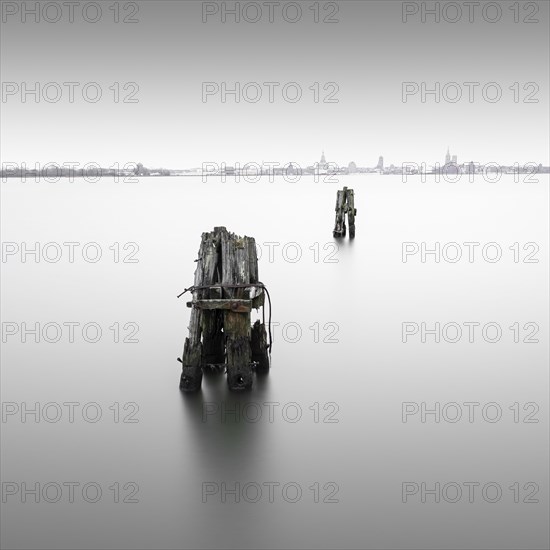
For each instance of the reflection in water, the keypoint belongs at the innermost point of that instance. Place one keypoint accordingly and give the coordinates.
(226, 427)
(345, 244)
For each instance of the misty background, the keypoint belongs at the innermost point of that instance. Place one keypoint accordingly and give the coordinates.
(353, 365)
(368, 54)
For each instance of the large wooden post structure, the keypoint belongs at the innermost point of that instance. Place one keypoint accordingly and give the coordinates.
(225, 290)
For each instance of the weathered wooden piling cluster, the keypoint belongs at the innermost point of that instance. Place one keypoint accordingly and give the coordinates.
(225, 291)
(345, 204)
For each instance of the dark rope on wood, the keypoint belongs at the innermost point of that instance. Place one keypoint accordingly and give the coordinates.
(241, 285)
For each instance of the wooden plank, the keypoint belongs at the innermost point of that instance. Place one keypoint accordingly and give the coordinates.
(234, 304)
(235, 270)
(213, 345)
(253, 259)
(236, 326)
(351, 207)
(339, 224)
(259, 346)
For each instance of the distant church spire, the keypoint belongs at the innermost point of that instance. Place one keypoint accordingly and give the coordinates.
(323, 160)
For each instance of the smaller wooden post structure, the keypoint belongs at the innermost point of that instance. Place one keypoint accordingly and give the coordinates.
(345, 204)
(225, 290)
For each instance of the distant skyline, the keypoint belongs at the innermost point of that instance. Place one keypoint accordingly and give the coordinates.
(451, 164)
(375, 162)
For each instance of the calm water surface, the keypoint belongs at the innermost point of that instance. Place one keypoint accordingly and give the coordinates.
(327, 421)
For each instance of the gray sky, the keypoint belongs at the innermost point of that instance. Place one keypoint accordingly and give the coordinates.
(169, 53)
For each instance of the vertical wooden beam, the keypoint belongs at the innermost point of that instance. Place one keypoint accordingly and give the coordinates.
(213, 352)
(191, 373)
(236, 270)
(340, 224)
(260, 354)
(351, 213)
